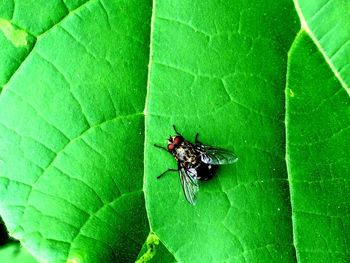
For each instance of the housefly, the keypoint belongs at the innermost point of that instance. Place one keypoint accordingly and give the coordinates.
(195, 162)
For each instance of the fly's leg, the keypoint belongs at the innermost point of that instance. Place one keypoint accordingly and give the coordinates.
(177, 133)
(196, 138)
(160, 147)
(169, 170)
(197, 142)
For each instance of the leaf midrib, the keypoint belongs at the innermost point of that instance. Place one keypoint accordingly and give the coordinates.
(289, 173)
(145, 134)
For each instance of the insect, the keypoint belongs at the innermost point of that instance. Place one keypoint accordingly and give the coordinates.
(195, 162)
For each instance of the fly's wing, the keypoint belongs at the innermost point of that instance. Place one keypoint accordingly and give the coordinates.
(216, 156)
(189, 183)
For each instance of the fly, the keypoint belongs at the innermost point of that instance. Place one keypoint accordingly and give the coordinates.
(195, 162)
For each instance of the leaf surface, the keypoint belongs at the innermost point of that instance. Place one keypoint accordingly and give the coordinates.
(71, 131)
(222, 76)
(318, 129)
(76, 139)
(13, 253)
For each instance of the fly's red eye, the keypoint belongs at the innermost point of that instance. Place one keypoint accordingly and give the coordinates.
(171, 147)
(177, 140)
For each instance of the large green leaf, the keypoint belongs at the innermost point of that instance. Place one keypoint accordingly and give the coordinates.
(71, 132)
(21, 24)
(76, 157)
(328, 22)
(218, 68)
(318, 130)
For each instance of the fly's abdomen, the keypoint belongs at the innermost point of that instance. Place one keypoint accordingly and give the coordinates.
(206, 171)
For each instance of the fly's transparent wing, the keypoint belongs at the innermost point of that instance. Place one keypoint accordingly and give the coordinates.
(189, 183)
(216, 156)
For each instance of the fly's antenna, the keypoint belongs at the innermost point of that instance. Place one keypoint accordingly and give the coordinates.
(169, 170)
(196, 139)
(160, 147)
(176, 131)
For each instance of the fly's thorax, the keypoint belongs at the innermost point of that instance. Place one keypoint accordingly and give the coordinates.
(186, 153)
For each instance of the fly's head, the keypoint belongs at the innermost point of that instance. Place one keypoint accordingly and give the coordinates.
(174, 142)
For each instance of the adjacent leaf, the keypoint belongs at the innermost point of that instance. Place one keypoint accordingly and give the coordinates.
(218, 68)
(328, 22)
(4, 236)
(72, 132)
(318, 130)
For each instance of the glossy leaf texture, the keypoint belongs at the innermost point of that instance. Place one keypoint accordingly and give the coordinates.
(318, 129)
(328, 22)
(218, 68)
(88, 86)
(71, 130)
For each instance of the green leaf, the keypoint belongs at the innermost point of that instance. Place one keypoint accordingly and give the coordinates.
(218, 68)
(77, 160)
(12, 253)
(71, 132)
(318, 129)
(328, 22)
